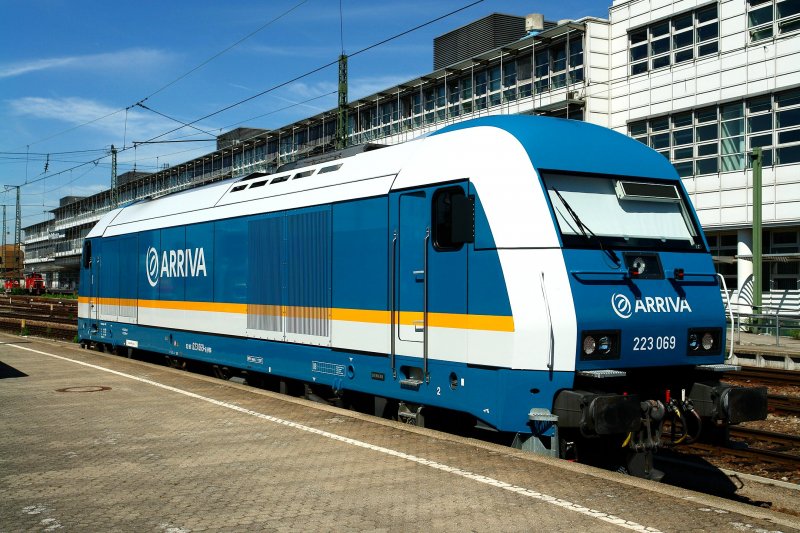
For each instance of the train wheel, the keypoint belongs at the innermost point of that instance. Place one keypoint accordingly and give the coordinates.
(222, 372)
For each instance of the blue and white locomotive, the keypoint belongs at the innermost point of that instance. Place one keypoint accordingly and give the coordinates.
(547, 278)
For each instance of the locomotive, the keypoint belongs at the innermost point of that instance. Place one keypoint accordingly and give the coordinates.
(545, 278)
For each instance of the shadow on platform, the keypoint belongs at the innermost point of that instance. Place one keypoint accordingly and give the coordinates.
(10, 372)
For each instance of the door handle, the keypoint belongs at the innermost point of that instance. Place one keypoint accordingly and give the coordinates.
(425, 307)
(393, 348)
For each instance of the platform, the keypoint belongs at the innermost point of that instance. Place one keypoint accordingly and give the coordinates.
(751, 349)
(94, 442)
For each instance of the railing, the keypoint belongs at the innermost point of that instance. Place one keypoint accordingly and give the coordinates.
(768, 319)
(768, 324)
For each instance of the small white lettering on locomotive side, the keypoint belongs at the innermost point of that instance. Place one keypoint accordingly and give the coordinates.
(172, 263)
(179, 263)
(200, 262)
(164, 265)
(191, 263)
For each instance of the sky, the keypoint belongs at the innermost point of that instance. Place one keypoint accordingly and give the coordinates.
(72, 72)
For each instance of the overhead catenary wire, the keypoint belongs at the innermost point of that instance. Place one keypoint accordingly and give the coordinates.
(266, 91)
(237, 43)
(322, 67)
(140, 104)
(176, 80)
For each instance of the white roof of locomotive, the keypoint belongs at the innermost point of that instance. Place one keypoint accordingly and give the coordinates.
(359, 176)
(488, 155)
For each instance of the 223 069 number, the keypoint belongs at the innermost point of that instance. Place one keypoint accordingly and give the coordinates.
(641, 344)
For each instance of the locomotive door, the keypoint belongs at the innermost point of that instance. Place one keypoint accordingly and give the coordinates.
(91, 258)
(428, 275)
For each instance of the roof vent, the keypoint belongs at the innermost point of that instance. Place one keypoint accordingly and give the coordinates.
(534, 22)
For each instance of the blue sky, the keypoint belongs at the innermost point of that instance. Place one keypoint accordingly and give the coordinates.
(64, 63)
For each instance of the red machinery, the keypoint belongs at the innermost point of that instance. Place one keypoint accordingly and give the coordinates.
(33, 283)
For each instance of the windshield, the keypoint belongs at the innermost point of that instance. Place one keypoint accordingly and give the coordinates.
(621, 212)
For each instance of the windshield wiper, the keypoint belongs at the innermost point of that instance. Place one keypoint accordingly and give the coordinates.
(581, 226)
(584, 228)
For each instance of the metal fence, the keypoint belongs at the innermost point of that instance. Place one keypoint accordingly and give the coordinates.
(769, 321)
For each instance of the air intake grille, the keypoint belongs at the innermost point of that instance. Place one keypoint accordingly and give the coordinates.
(308, 273)
(264, 280)
(289, 281)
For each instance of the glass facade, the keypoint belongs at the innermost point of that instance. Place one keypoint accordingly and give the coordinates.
(676, 40)
(718, 138)
(771, 18)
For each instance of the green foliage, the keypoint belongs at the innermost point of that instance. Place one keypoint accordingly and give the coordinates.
(70, 296)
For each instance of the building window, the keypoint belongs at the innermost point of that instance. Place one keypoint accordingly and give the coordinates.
(559, 65)
(723, 250)
(783, 275)
(671, 41)
(524, 69)
(768, 18)
(759, 128)
(720, 138)
(732, 137)
(787, 125)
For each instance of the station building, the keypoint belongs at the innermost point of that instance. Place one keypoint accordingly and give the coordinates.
(702, 82)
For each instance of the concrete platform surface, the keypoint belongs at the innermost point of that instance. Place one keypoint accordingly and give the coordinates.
(94, 442)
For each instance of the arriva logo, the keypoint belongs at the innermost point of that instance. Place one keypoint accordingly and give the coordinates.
(649, 304)
(174, 264)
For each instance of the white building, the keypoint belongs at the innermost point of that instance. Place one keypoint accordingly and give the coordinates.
(702, 82)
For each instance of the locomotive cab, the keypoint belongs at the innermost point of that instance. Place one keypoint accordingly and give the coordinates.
(651, 327)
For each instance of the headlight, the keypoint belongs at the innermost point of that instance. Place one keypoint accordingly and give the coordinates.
(708, 341)
(599, 345)
(694, 343)
(704, 341)
(589, 345)
(604, 345)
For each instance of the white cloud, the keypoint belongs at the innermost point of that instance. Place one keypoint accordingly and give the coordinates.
(138, 124)
(329, 53)
(130, 60)
(358, 87)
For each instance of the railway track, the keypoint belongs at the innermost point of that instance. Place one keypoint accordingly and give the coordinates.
(741, 448)
(761, 435)
(788, 405)
(47, 317)
(755, 455)
(768, 375)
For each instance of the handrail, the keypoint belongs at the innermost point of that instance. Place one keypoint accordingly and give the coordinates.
(425, 308)
(730, 310)
(392, 303)
(551, 348)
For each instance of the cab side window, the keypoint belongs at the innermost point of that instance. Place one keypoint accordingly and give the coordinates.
(453, 219)
(87, 253)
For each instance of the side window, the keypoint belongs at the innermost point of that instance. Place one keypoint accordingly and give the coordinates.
(87, 253)
(453, 219)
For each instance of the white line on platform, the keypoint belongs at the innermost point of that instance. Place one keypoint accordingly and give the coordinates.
(628, 524)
